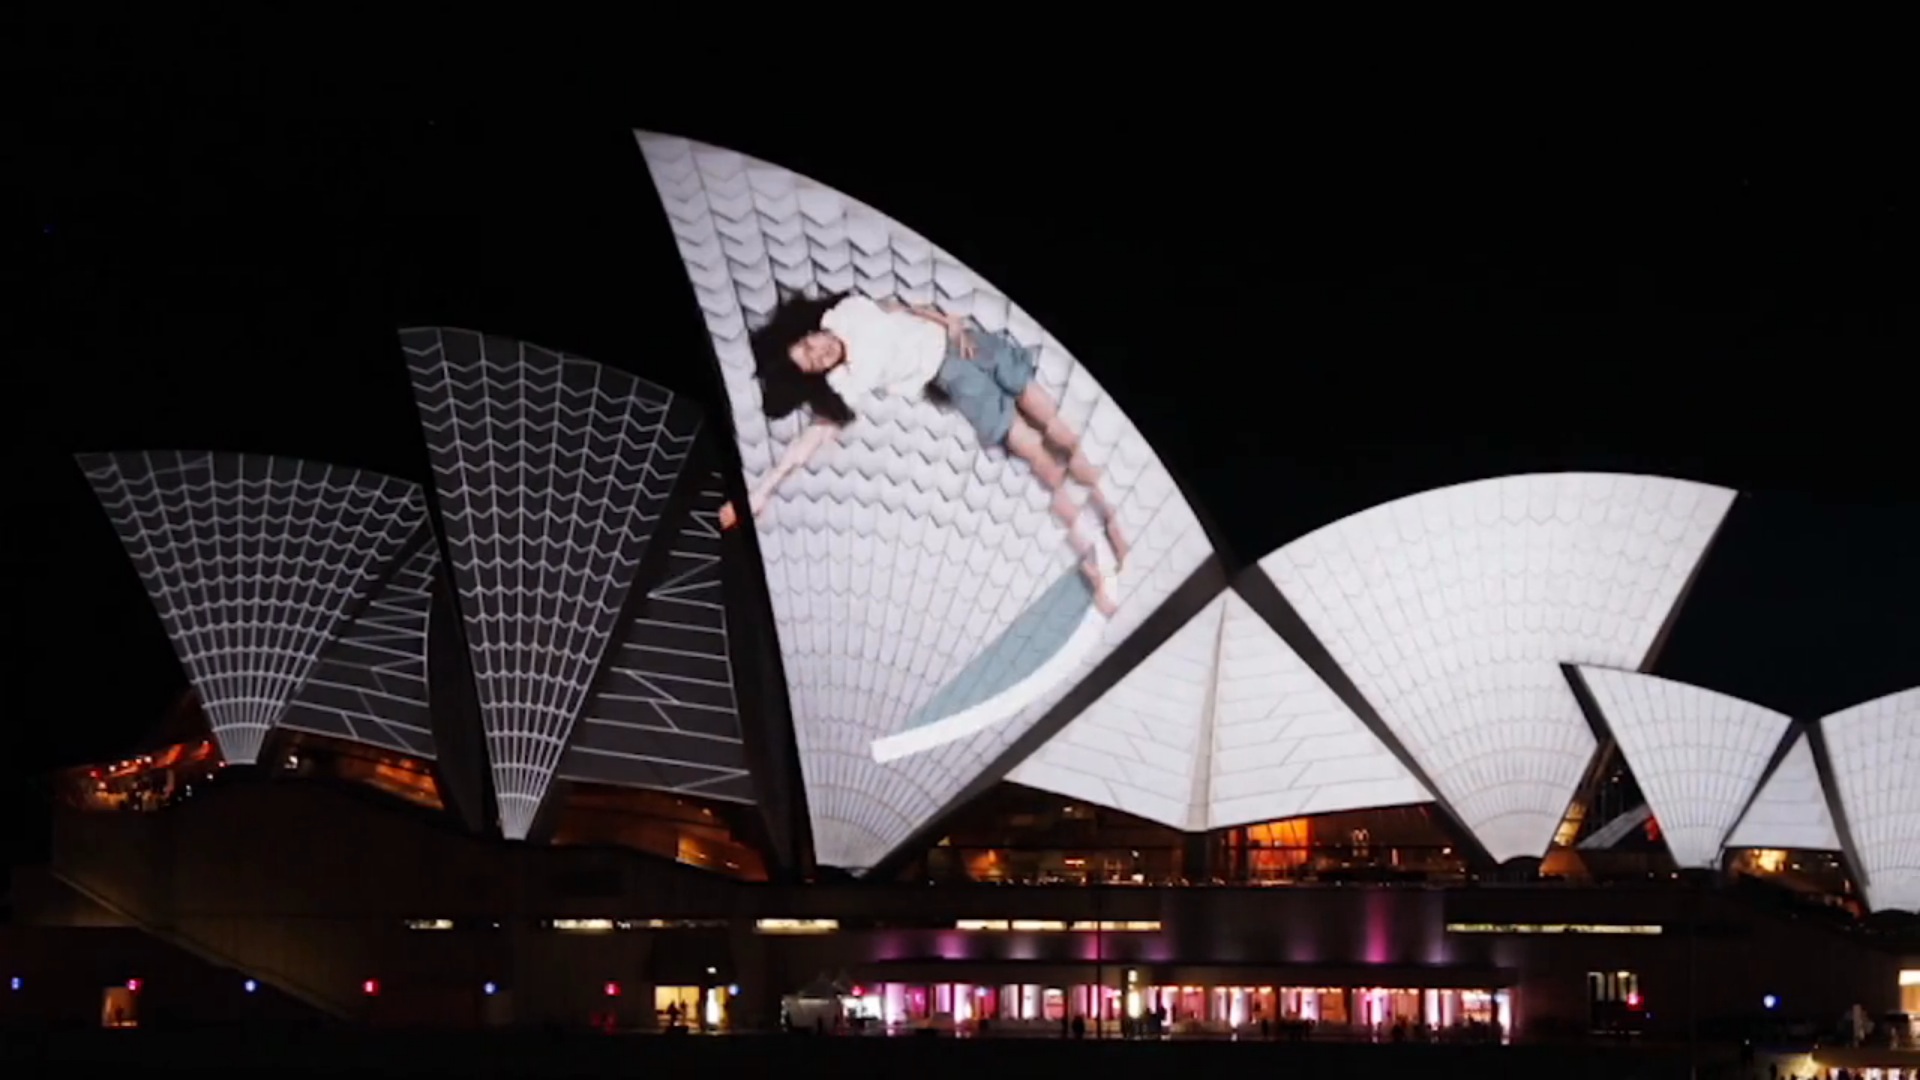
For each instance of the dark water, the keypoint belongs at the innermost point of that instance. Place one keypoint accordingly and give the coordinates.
(229, 1052)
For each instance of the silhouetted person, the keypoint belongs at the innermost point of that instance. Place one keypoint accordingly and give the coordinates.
(1079, 1027)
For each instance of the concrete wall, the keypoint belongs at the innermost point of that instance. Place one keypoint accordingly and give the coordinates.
(309, 887)
(64, 973)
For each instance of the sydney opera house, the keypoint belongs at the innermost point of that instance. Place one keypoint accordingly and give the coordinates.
(906, 680)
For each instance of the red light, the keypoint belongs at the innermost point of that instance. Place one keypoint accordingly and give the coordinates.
(613, 989)
(1633, 1000)
(857, 991)
(371, 988)
(133, 985)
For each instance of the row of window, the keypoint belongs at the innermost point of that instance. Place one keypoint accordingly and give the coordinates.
(792, 926)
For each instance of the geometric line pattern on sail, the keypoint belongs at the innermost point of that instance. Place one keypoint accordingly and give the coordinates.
(551, 474)
(255, 564)
(370, 685)
(665, 716)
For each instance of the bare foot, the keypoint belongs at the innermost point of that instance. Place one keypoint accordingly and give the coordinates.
(1117, 541)
(1103, 599)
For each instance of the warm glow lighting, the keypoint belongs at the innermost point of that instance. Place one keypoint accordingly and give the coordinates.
(1554, 928)
(796, 926)
(1055, 926)
(970, 616)
(429, 924)
(583, 926)
(1908, 977)
(713, 1007)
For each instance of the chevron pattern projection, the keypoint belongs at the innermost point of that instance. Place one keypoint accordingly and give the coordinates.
(664, 716)
(1452, 611)
(255, 564)
(900, 555)
(370, 685)
(552, 472)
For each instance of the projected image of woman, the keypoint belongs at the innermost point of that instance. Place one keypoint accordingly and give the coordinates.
(834, 354)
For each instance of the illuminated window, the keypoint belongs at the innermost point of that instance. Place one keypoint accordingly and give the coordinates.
(1621, 986)
(429, 924)
(669, 924)
(581, 926)
(1124, 926)
(1644, 929)
(796, 926)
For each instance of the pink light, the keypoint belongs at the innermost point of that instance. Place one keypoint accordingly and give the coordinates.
(371, 988)
(612, 989)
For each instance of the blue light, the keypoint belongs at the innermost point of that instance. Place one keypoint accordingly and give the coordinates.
(734, 990)
(490, 989)
(252, 986)
(15, 983)
(1770, 1001)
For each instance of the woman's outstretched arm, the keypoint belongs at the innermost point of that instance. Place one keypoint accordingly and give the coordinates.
(818, 435)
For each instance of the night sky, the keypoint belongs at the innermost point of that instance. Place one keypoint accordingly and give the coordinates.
(1322, 315)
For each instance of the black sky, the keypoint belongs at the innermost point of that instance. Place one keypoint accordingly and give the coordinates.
(1321, 310)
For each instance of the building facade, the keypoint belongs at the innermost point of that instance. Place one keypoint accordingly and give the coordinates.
(909, 676)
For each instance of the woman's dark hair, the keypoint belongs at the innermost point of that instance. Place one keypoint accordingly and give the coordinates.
(783, 386)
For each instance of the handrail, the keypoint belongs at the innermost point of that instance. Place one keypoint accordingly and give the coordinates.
(172, 936)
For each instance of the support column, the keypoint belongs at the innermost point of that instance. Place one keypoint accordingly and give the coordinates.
(757, 1006)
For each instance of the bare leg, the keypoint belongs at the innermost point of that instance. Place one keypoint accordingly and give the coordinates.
(1039, 407)
(1027, 444)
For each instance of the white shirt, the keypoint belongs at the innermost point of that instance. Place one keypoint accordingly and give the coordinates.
(887, 352)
